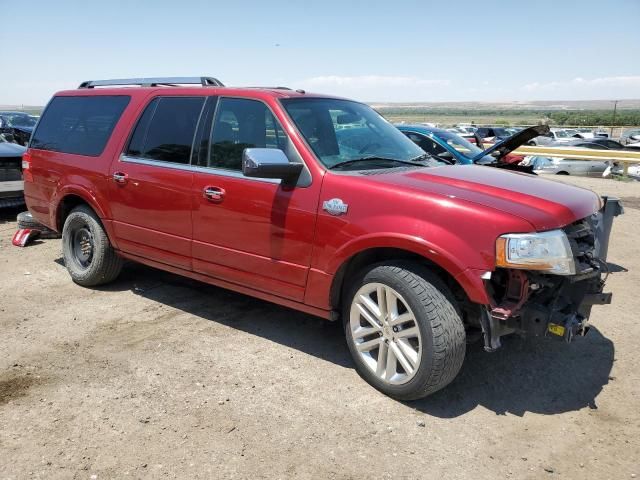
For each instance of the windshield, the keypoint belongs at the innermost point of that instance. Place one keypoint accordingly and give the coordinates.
(467, 149)
(20, 120)
(342, 131)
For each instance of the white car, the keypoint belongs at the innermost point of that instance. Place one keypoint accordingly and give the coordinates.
(565, 166)
(556, 135)
(585, 132)
(633, 172)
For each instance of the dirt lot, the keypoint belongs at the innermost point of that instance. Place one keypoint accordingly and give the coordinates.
(157, 376)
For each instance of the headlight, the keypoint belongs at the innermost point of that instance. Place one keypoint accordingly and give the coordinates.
(548, 252)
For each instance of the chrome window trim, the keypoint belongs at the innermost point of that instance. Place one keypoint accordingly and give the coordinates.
(195, 168)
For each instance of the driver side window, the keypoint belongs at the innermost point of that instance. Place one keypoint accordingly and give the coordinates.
(242, 123)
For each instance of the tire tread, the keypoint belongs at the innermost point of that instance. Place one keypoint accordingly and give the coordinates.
(448, 334)
(106, 264)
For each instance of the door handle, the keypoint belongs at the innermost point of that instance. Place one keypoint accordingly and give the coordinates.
(214, 194)
(120, 177)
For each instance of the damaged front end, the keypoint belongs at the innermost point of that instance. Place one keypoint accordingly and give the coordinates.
(534, 303)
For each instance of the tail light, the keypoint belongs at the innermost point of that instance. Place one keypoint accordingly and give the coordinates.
(27, 175)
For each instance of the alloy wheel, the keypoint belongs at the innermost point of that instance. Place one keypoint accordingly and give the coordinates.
(385, 333)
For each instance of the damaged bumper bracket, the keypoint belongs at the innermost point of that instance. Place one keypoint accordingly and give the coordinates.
(531, 303)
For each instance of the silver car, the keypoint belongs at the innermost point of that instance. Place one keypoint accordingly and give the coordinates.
(565, 166)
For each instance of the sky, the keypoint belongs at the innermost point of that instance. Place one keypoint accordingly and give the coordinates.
(375, 51)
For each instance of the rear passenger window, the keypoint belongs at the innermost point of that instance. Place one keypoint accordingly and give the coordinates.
(166, 128)
(242, 123)
(80, 125)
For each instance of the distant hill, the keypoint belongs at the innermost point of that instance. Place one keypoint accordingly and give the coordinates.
(32, 109)
(569, 112)
(507, 106)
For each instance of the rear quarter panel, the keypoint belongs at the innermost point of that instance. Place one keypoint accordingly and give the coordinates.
(57, 174)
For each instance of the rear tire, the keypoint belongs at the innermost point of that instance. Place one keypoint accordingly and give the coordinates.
(88, 254)
(417, 323)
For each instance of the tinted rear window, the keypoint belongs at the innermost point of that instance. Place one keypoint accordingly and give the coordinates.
(80, 125)
(166, 128)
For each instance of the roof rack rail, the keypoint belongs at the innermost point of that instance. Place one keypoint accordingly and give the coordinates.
(154, 82)
(270, 88)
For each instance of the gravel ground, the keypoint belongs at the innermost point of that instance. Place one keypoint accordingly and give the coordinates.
(156, 376)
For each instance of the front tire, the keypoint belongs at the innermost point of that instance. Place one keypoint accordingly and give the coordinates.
(404, 331)
(88, 255)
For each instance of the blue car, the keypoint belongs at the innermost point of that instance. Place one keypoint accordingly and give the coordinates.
(445, 145)
(453, 149)
(17, 126)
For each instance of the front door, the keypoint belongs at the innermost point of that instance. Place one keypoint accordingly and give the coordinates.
(251, 232)
(151, 184)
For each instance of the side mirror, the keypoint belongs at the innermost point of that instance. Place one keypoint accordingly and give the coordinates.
(269, 163)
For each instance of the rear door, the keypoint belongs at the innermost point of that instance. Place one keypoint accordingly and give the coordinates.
(250, 231)
(150, 188)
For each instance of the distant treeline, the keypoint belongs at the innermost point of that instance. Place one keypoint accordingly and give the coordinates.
(556, 117)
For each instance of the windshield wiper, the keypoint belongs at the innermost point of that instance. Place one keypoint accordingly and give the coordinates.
(373, 158)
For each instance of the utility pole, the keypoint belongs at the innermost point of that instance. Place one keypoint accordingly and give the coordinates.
(613, 122)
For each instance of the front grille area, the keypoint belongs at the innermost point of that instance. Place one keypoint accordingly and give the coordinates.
(581, 235)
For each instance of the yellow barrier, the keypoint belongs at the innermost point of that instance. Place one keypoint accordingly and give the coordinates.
(626, 157)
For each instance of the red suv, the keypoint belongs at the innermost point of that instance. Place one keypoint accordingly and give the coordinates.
(319, 204)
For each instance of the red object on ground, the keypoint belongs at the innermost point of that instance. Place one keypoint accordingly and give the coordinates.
(23, 236)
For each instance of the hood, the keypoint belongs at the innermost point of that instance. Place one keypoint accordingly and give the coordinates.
(503, 148)
(8, 149)
(545, 204)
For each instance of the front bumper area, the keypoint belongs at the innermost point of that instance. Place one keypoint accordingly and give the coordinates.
(535, 304)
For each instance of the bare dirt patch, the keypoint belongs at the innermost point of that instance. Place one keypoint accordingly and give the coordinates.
(161, 377)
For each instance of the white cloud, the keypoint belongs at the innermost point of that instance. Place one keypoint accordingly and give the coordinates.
(373, 81)
(375, 87)
(622, 82)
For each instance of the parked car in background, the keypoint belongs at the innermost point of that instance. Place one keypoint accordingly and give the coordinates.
(454, 149)
(492, 134)
(555, 136)
(630, 136)
(17, 126)
(11, 186)
(596, 143)
(632, 172)
(564, 166)
(585, 133)
(573, 132)
(466, 129)
(600, 133)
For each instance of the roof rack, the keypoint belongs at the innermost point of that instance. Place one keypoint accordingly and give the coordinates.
(269, 88)
(154, 82)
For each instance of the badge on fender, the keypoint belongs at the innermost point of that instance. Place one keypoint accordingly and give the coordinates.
(335, 206)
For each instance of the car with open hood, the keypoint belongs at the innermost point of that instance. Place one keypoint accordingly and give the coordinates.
(454, 149)
(17, 126)
(319, 204)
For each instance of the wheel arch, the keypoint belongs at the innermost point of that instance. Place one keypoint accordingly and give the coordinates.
(71, 198)
(377, 255)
